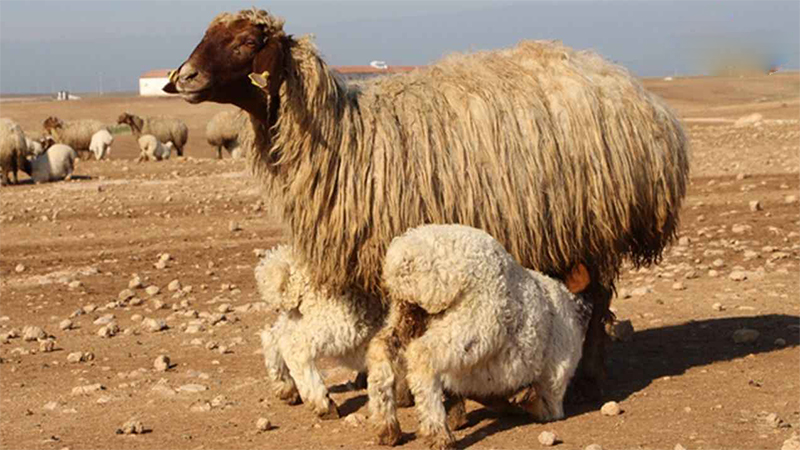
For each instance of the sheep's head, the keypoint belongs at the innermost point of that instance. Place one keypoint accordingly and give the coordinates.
(47, 142)
(234, 47)
(135, 122)
(52, 123)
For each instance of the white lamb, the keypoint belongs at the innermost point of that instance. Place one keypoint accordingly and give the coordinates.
(493, 328)
(57, 163)
(311, 324)
(35, 147)
(101, 144)
(152, 149)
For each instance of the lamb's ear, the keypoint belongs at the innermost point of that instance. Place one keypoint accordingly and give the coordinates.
(578, 279)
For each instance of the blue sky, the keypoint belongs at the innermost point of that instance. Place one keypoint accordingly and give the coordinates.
(81, 45)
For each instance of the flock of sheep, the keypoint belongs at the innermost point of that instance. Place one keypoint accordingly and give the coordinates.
(52, 157)
(419, 203)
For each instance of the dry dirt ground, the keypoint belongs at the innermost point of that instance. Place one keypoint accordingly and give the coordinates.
(68, 249)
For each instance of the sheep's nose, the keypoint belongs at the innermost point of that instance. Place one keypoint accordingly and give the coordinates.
(187, 73)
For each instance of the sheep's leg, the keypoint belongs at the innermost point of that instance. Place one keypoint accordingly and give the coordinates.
(456, 411)
(300, 361)
(591, 373)
(179, 150)
(282, 383)
(426, 385)
(380, 387)
(219, 152)
(3, 178)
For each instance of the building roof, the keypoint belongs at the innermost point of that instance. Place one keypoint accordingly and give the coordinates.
(345, 70)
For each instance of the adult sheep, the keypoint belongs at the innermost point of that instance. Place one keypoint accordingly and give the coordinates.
(225, 130)
(74, 133)
(164, 128)
(13, 149)
(560, 155)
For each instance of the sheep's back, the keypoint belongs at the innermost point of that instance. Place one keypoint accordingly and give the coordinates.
(166, 129)
(78, 133)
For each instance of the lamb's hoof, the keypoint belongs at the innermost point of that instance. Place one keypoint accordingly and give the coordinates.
(360, 382)
(456, 413)
(403, 398)
(442, 441)
(331, 413)
(290, 396)
(389, 434)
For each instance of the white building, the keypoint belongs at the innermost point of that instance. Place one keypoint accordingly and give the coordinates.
(152, 82)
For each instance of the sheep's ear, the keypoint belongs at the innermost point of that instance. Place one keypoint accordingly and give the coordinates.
(578, 279)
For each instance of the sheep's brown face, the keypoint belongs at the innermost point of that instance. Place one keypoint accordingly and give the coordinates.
(218, 68)
(51, 123)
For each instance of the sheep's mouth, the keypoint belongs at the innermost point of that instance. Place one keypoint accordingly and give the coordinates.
(197, 95)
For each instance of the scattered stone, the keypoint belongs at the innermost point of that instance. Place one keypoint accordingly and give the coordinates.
(739, 229)
(104, 319)
(20, 268)
(755, 205)
(547, 438)
(718, 307)
(684, 241)
(738, 275)
(88, 309)
(234, 226)
(75, 284)
(133, 426)
(780, 342)
(793, 443)
(152, 290)
(678, 286)
(65, 324)
(220, 401)
(620, 330)
(263, 424)
(76, 357)
(192, 388)
(679, 447)
(109, 330)
(774, 421)
(47, 345)
(174, 285)
(790, 199)
(125, 294)
(200, 406)
(355, 420)
(611, 409)
(135, 283)
(162, 363)
(691, 275)
(641, 291)
(50, 406)
(136, 317)
(162, 388)
(593, 447)
(158, 304)
(155, 325)
(33, 333)
(748, 120)
(88, 389)
(718, 263)
(745, 336)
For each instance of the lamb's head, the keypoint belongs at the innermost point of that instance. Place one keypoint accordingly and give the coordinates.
(135, 122)
(52, 123)
(47, 141)
(234, 47)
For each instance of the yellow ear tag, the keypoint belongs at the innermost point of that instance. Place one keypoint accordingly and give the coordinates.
(259, 80)
(171, 75)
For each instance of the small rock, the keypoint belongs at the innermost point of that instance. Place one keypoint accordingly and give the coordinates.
(641, 291)
(748, 120)
(788, 199)
(201, 406)
(593, 447)
(20, 268)
(104, 319)
(355, 420)
(162, 363)
(75, 284)
(678, 286)
(620, 330)
(774, 421)
(136, 317)
(88, 389)
(263, 424)
(135, 283)
(65, 324)
(745, 336)
(679, 447)
(108, 331)
(780, 342)
(174, 285)
(132, 426)
(684, 241)
(47, 345)
(611, 409)
(33, 333)
(793, 443)
(234, 226)
(125, 294)
(755, 205)
(192, 388)
(152, 290)
(547, 438)
(154, 325)
(717, 307)
(738, 275)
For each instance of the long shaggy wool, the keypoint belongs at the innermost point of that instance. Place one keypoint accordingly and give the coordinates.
(76, 133)
(558, 154)
(13, 149)
(224, 129)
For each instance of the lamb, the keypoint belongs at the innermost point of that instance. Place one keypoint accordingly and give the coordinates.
(57, 163)
(101, 144)
(152, 149)
(311, 324)
(224, 129)
(165, 128)
(558, 154)
(34, 147)
(75, 133)
(12, 151)
(491, 327)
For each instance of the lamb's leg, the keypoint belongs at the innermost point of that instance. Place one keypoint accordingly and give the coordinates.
(426, 385)
(588, 380)
(282, 384)
(3, 178)
(380, 387)
(309, 382)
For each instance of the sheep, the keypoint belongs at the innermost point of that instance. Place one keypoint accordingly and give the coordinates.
(165, 128)
(12, 151)
(562, 156)
(34, 147)
(312, 323)
(76, 133)
(491, 327)
(57, 163)
(101, 144)
(152, 149)
(223, 131)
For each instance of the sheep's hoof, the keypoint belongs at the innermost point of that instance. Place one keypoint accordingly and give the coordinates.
(290, 396)
(331, 413)
(403, 397)
(456, 413)
(441, 441)
(389, 434)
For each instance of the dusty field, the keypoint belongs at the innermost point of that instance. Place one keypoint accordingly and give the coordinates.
(68, 249)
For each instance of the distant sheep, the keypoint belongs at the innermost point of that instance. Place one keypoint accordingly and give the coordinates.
(152, 149)
(12, 150)
(101, 144)
(166, 129)
(75, 133)
(225, 129)
(57, 163)
(311, 324)
(491, 327)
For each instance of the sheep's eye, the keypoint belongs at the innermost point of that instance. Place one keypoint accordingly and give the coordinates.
(251, 43)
